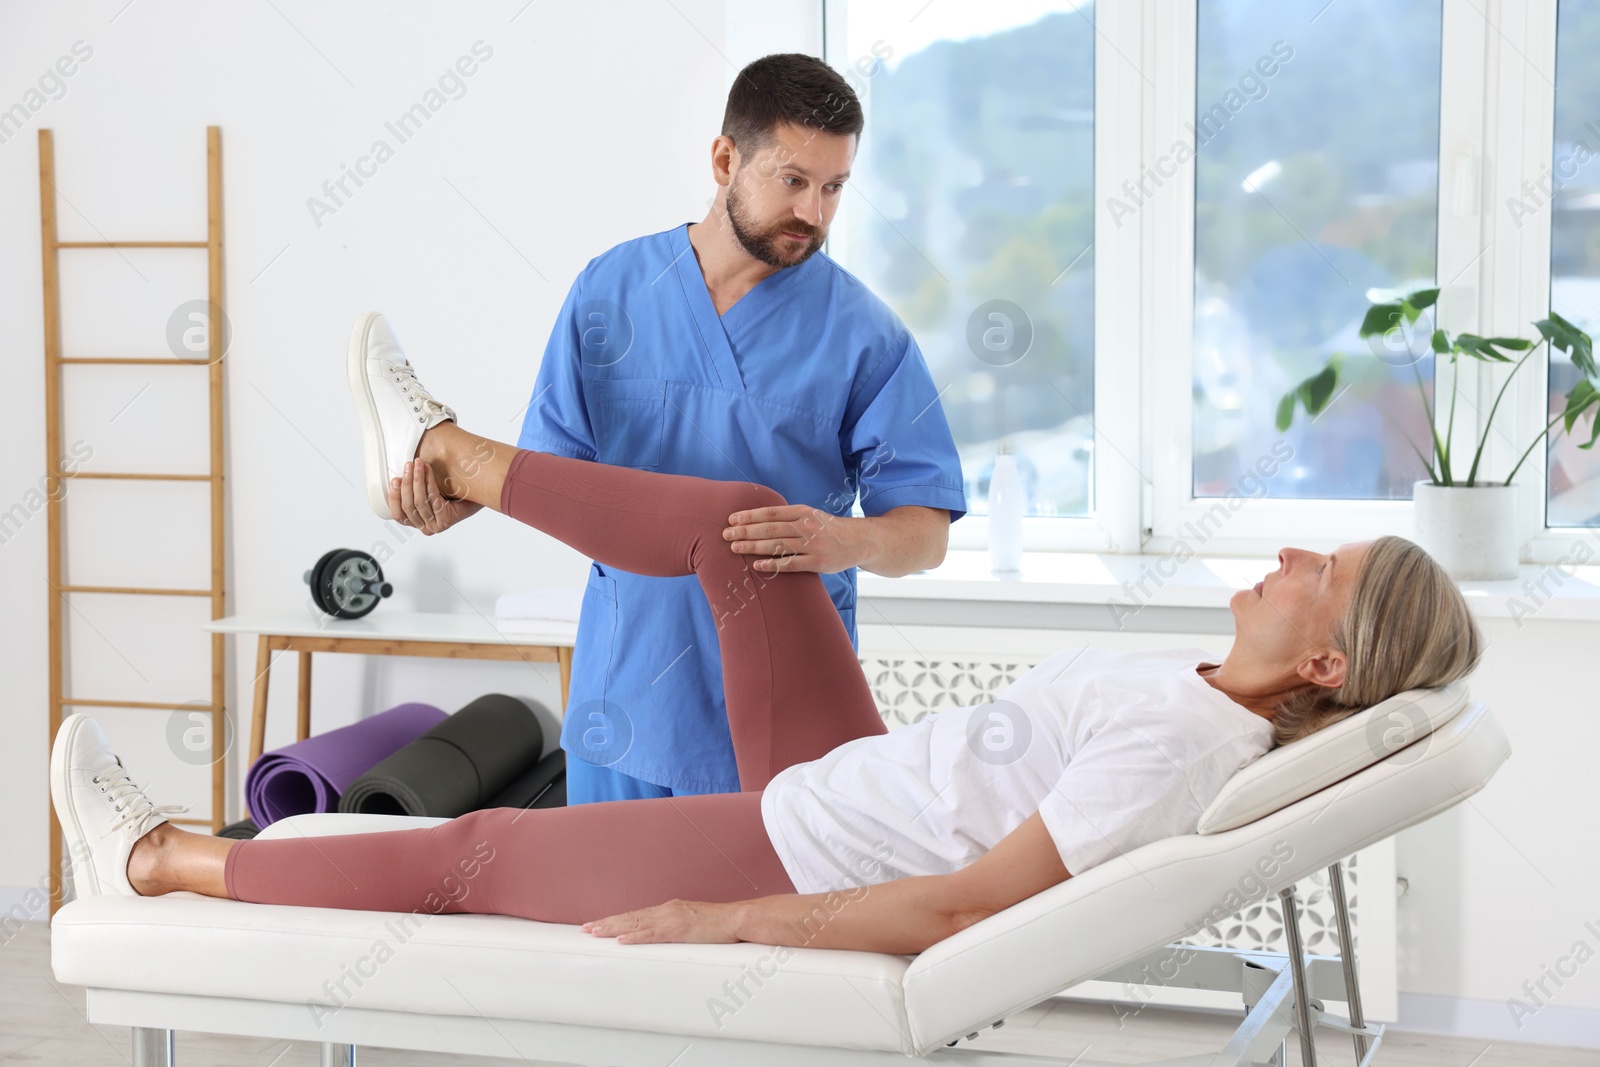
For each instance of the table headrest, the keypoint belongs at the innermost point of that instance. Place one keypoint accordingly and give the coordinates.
(1294, 771)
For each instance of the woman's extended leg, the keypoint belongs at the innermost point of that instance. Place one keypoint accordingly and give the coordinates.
(561, 865)
(793, 686)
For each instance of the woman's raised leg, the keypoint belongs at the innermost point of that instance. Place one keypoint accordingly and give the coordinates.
(793, 686)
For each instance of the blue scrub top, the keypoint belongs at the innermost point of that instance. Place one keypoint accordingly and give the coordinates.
(809, 384)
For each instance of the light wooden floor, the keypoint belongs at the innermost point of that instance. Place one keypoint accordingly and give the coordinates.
(41, 1021)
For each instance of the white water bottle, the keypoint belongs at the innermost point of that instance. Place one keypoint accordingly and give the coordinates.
(1005, 515)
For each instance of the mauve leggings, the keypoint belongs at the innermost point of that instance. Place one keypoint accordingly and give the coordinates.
(793, 687)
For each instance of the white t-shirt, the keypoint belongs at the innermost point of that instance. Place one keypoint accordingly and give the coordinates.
(1115, 749)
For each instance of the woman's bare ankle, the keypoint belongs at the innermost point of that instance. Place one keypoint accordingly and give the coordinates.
(434, 446)
(438, 448)
(465, 466)
(147, 862)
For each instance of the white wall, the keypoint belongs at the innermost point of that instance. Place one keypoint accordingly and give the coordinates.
(1502, 885)
(589, 125)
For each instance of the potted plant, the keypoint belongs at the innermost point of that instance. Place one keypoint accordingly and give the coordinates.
(1468, 525)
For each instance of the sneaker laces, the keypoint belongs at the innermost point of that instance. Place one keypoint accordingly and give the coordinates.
(129, 799)
(405, 376)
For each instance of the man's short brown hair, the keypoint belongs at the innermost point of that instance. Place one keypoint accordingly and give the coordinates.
(788, 87)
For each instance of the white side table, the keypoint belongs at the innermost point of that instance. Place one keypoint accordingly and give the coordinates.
(386, 633)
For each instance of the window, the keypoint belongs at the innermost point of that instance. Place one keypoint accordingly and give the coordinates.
(970, 211)
(1316, 185)
(1122, 232)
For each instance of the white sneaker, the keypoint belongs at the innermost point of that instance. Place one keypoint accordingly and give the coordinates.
(94, 800)
(394, 407)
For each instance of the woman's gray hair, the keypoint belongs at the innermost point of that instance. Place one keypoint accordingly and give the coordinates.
(1407, 627)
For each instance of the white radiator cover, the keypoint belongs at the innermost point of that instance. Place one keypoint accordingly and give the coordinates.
(917, 671)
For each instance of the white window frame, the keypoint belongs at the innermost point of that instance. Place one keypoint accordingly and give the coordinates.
(1524, 264)
(1495, 130)
(1500, 95)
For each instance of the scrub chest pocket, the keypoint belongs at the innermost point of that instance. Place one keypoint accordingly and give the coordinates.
(629, 419)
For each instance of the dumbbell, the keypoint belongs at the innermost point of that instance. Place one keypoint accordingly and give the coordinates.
(347, 583)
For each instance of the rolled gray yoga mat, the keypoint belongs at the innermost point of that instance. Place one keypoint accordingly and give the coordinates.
(460, 765)
(543, 785)
(243, 830)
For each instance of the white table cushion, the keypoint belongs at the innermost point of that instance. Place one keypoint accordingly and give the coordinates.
(499, 966)
(1292, 772)
(1165, 891)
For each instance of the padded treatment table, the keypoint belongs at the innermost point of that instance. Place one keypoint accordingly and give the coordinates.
(497, 985)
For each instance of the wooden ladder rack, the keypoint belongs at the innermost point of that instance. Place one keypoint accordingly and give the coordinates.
(54, 361)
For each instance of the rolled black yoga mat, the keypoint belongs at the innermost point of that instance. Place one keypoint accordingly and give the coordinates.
(543, 785)
(556, 795)
(458, 766)
(243, 830)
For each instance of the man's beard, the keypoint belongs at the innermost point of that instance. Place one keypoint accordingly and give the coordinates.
(765, 245)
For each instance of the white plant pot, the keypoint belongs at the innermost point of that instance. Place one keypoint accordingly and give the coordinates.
(1471, 532)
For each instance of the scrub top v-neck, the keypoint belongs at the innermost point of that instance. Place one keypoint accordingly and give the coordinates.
(715, 330)
(809, 384)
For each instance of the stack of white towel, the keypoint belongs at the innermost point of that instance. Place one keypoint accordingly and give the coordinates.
(538, 611)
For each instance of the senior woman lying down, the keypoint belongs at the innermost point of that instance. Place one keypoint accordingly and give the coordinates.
(898, 839)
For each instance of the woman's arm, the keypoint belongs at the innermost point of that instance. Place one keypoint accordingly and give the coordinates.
(904, 916)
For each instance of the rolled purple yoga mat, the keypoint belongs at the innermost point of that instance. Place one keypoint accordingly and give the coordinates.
(310, 775)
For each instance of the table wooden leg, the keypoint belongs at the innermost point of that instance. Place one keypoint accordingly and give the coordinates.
(258, 713)
(305, 697)
(564, 661)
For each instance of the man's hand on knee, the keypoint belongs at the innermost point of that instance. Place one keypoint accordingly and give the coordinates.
(796, 537)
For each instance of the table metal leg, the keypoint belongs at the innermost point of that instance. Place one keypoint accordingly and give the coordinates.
(304, 727)
(1297, 968)
(258, 713)
(1347, 953)
(338, 1055)
(152, 1047)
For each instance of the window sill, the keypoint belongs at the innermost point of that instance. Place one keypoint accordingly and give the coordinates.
(1123, 585)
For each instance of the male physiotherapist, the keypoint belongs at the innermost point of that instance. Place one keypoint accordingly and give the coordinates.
(731, 349)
